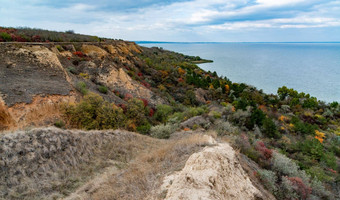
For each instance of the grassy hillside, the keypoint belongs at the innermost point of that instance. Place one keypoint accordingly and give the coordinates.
(293, 137)
(38, 35)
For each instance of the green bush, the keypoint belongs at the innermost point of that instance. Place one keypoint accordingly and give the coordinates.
(269, 128)
(60, 48)
(82, 87)
(257, 117)
(94, 113)
(312, 148)
(103, 89)
(317, 172)
(216, 115)
(162, 112)
(163, 131)
(144, 129)
(135, 110)
(59, 124)
(6, 37)
(303, 128)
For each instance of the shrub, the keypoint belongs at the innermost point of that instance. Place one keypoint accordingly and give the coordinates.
(265, 153)
(299, 186)
(313, 148)
(243, 143)
(73, 70)
(144, 129)
(82, 87)
(84, 75)
(319, 189)
(59, 123)
(226, 128)
(79, 54)
(103, 89)
(163, 131)
(162, 112)
(5, 37)
(216, 115)
(268, 178)
(60, 48)
(285, 166)
(195, 111)
(303, 128)
(135, 110)
(318, 173)
(256, 118)
(94, 113)
(287, 190)
(269, 128)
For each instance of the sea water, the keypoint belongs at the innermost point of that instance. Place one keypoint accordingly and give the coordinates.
(312, 68)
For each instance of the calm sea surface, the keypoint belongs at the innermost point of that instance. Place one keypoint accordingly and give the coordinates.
(312, 68)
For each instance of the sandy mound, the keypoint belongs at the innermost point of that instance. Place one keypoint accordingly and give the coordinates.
(214, 173)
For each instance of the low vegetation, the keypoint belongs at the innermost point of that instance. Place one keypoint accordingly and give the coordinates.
(292, 136)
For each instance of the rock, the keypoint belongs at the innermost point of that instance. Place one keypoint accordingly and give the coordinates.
(214, 173)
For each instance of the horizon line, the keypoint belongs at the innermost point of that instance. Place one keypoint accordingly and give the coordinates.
(146, 41)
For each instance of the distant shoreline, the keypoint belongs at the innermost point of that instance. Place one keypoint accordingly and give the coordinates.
(163, 42)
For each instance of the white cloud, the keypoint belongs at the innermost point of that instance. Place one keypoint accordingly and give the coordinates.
(180, 20)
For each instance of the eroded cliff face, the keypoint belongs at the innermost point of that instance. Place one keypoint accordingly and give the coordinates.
(34, 77)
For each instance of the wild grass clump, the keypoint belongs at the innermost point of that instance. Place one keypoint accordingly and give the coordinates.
(163, 131)
(82, 87)
(103, 89)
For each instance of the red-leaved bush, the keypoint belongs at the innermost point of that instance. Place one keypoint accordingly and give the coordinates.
(146, 84)
(79, 54)
(123, 106)
(128, 96)
(263, 150)
(300, 187)
(145, 102)
(151, 112)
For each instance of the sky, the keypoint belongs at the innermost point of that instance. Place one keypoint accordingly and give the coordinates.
(182, 20)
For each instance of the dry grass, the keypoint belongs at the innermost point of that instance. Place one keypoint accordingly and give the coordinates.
(51, 163)
(142, 178)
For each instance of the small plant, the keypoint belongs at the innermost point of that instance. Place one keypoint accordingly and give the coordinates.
(216, 115)
(103, 89)
(73, 70)
(60, 48)
(59, 124)
(84, 75)
(79, 54)
(82, 87)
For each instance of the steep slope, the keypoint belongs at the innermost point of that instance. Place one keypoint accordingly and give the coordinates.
(36, 77)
